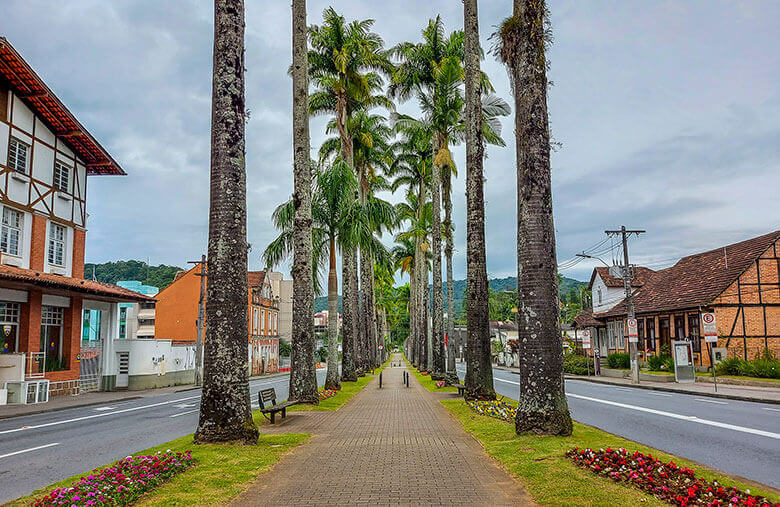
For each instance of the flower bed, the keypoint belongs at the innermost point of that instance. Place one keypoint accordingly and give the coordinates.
(667, 481)
(328, 393)
(440, 384)
(121, 483)
(494, 408)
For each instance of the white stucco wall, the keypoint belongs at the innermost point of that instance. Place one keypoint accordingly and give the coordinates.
(610, 296)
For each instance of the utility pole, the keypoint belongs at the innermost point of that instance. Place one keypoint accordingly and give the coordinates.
(201, 319)
(632, 342)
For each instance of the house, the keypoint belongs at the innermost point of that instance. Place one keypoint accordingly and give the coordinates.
(46, 157)
(283, 291)
(176, 316)
(740, 283)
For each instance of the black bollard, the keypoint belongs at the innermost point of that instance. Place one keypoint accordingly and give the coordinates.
(380, 380)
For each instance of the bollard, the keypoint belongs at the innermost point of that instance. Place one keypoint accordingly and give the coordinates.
(380, 380)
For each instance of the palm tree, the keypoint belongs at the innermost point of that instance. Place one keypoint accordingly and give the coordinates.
(225, 410)
(345, 58)
(332, 209)
(479, 370)
(542, 409)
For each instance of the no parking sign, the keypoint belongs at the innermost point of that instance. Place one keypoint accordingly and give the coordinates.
(709, 326)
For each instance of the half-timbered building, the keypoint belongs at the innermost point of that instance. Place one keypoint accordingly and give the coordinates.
(46, 158)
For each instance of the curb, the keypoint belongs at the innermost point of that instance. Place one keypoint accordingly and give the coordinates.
(57, 409)
(678, 391)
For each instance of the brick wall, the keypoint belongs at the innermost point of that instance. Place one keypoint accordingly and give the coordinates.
(38, 242)
(79, 238)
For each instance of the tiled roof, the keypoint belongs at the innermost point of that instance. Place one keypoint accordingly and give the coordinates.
(698, 279)
(585, 319)
(86, 287)
(255, 278)
(641, 274)
(34, 92)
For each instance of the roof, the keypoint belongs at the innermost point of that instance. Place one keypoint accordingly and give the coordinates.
(641, 274)
(255, 278)
(585, 319)
(697, 280)
(66, 283)
(34, 92)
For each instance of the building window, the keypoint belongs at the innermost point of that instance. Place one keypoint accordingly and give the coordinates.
(621, 340)
(9, 327)
(122, 322)
(18, 156)
(663, 325)
(56, 244)
(679, 327)
(52, 319)
(262, 322)
(650, 333)
(693, 332)
(640, 329)
(61, 176)
(599, 293)
(611, 334)
(11, 234)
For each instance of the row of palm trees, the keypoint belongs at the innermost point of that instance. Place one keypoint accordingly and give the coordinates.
(342, 69)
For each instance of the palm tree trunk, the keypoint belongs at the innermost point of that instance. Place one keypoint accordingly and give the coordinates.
(303, 374)
(427, 338)
(365, 309)
(448, 250)
(479, 370)
(437, 339)
(332, 376)
(542, 405)
(348, 362)
(225, 410)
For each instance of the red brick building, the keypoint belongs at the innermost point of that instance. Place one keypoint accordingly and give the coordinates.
(46, 156)
(740, 283)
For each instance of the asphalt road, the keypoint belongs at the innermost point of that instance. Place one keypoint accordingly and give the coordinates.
(38, 450)
(737, 437)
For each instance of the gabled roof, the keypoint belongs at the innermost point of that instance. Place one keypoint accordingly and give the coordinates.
(33, 91)
(697, 280)
(65, 283)
(255, 278)
(641, 274)
(585, 319)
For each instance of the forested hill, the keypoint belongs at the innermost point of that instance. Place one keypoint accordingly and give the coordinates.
(496, 284)
(111, 272)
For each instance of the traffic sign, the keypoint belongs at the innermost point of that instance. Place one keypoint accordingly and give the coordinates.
(586, 338)
(633, 332)
(381, 347)
(710, 327)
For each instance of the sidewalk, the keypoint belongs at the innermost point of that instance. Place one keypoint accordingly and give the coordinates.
(385, 447)
(726, 391)
(85, 400)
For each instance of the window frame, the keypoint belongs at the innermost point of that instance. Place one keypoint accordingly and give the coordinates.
(6, 229)
(54, 242)
(63, 167)
(13, 151)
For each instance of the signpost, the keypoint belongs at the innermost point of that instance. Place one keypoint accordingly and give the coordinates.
(710, 329)
(633, 333)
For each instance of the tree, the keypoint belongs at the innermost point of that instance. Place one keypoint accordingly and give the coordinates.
(479, 370)
(303, 374)
(332, 208)
(225, 410)
(542, 407)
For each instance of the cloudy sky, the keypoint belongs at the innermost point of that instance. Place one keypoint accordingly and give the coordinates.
(667, 114)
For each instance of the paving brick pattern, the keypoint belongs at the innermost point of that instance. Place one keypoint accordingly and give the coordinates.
(394, 446)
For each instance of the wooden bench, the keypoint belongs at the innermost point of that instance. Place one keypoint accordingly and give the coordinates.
(461, 389)
(269, 396)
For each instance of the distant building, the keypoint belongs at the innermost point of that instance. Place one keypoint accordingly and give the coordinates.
(740, 283)
(283, 291)
(176, 316)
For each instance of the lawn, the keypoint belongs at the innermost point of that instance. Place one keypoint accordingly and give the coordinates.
(540, 465)
(427, 382)
(347, 391)
(221, 472)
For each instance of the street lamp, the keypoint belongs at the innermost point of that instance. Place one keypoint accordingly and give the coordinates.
(586, 256)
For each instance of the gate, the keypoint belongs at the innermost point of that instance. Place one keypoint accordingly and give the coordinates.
(91, 361)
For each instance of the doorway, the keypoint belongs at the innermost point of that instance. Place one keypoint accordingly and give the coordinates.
(123, 377)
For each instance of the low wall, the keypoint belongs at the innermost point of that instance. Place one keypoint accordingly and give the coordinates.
(154, 381)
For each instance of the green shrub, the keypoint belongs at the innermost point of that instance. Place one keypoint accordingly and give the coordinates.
(619, 360)
(660, 363)
(575, 364)
(765, 365)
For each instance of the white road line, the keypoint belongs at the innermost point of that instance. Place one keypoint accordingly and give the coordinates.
(185, 413)
(507, 381)
(772, 409)
(104, 414)
(28, 450)
(711, 401)
(689, 418)
(660, 394)
(102, 409)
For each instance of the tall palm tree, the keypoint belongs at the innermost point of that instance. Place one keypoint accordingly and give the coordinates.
(332, 213)
(542, 405)
(345, 61)
(225, 410)
(479, 370)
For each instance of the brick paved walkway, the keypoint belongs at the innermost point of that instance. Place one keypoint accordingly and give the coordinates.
(385, 447)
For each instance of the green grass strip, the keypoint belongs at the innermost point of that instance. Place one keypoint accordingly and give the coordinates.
(542, 467)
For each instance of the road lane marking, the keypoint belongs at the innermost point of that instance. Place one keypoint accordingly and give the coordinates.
(101, 409)
(772, 409)
(711, 401)
(185, 413)
(93, 416)
(660, 394)
(28, 450)
(507, 381)
(689, 418)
